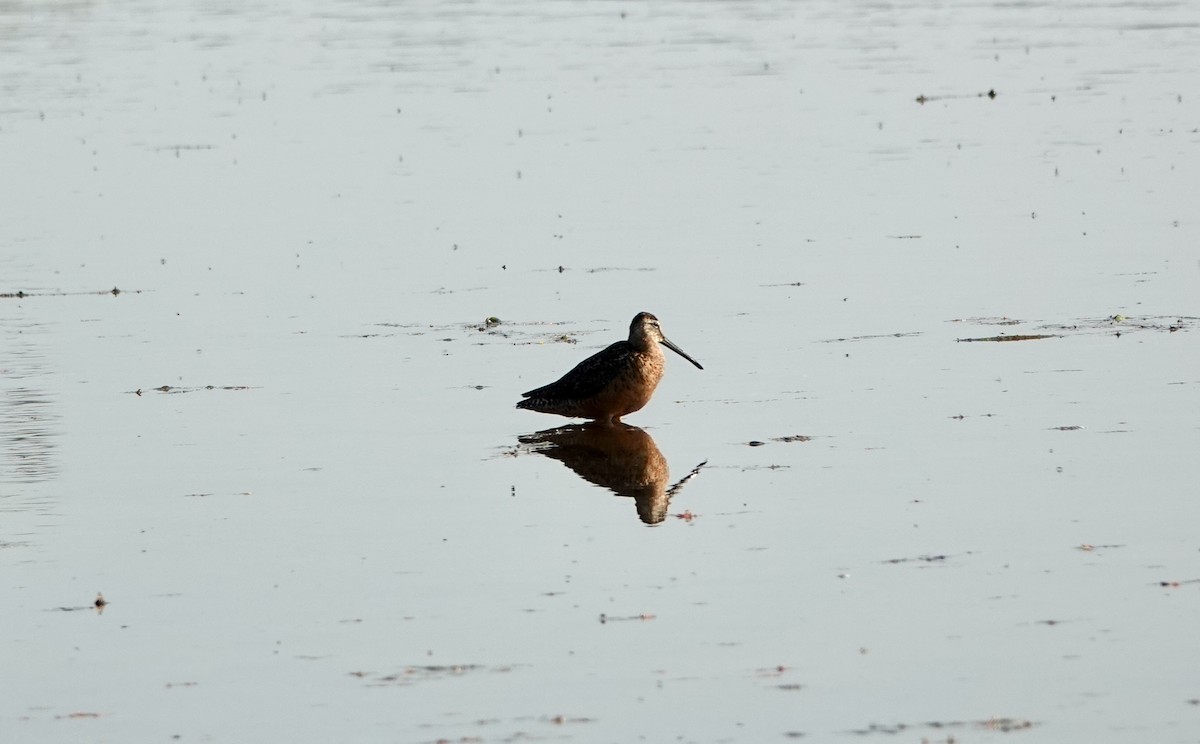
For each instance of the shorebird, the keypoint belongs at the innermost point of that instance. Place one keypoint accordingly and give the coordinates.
(616, 381)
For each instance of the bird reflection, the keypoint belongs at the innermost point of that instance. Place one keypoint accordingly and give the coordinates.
(622, 458)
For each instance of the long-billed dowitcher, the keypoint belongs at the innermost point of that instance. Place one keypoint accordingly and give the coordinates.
(613, 382)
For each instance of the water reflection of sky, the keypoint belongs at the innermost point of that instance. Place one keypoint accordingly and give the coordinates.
(311, 207)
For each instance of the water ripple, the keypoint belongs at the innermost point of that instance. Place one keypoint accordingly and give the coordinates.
(28, 445)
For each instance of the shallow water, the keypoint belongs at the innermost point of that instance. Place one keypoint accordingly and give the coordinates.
(285, 448)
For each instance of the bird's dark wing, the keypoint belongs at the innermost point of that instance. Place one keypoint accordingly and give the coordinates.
(589, 377)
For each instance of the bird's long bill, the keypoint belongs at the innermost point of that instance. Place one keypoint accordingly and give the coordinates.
(680, 352)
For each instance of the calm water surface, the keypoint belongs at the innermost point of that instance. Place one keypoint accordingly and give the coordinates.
(248, 390)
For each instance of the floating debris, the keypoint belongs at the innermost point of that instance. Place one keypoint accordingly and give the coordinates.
(1002, 320)
(180, 148)
(97, 604)
(995, 723)
(898, 334)
(922, 558)
(423, 673)
(924, 99)
(1015, 337)
(940, 558)
(602, 269)
(1125, 324)
(488, 326)
(560, 719)
(1116, 325)
(492, 329)
(604, 619)
(21, 294)
(176, 389)
(786, 439)
(1174, 584)
(80, 714)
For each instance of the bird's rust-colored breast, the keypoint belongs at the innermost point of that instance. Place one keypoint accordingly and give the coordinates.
(629, 390)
